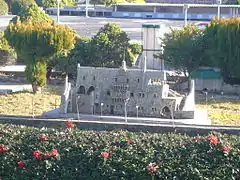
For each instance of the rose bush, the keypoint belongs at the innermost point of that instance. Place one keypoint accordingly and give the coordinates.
(67, 153)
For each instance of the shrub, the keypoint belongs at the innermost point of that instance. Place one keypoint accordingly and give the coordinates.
(7, 54)
(31, 153)
(52, 3)
(3, 7)
(18, 6)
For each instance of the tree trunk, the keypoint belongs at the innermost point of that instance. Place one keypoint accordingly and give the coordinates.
(36, 89)
(49, 73)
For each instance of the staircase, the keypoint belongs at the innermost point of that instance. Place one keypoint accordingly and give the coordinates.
(173, 93)
(182, 103)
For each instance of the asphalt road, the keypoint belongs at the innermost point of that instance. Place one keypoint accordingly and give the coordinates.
(90, 26)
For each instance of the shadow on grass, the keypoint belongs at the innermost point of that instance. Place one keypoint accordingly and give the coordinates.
(213, 101)
(53, 89)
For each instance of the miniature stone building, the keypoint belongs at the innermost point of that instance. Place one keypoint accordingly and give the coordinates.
(140, 91)
(137, 92)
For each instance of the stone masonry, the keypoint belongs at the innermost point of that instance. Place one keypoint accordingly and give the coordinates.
(131, 92)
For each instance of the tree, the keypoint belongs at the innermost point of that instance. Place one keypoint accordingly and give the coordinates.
(108, 48)
(3, 7)
(223, 47)
(53, 3)
(18, 6)
(183, 49)
(35, 14)
(37, 41)
(7, 54)
(135, 48)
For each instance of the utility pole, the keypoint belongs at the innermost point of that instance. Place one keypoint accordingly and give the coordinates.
(185, 8)
(219, 2)
(58, 11)
(86, 9)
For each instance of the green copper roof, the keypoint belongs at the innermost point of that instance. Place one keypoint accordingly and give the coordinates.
(151, 26)
(205, 74)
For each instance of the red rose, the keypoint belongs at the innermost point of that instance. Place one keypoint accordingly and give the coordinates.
(37, 154)
(20, 164)
(213, 139)
(152, 167)
(43, 138)
(3, 148)
(225, 149)
(54, 152)
(69, 124)
(105, 155)
(129, 141)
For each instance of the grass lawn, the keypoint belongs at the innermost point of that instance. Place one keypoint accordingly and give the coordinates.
(26, 103)
(220, 111)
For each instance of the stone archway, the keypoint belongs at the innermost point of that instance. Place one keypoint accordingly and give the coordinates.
(90, 90)
(81, 90)
(166, 112)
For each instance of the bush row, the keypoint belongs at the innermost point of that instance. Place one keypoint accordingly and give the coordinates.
(67, 153)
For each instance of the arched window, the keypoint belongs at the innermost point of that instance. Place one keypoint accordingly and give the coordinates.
(166, 112)
(90, 89)
(81, 90)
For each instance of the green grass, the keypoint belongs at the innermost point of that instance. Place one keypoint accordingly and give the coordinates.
(222, 111)
(225, 112)
(26, 103)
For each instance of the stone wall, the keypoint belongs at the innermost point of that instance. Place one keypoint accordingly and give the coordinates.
(111, 86)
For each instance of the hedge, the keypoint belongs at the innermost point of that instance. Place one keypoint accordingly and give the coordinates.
(67, 153)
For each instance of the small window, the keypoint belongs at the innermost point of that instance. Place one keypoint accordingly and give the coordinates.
(139, 94)
(131, 95)
(127, 80)
(84, 78)
(107, 106)
(96, 96)
(115, 79)
(94, 78)
(108, 93)
(121, 106)
(143, 95)
(138, 80)
(154, 95)
(152, 109)
(155, 109)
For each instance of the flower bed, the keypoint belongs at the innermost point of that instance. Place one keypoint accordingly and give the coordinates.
(31, 153)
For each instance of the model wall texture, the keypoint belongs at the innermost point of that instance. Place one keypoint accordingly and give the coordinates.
(107, 90)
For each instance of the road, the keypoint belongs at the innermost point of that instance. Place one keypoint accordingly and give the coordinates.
(90, 26)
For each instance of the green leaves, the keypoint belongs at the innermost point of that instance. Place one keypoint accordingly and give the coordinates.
(183, 48)
(36, 37)
(108, 48)
(178, 156)
(223, 46)
(19, 6)
(53, 3)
